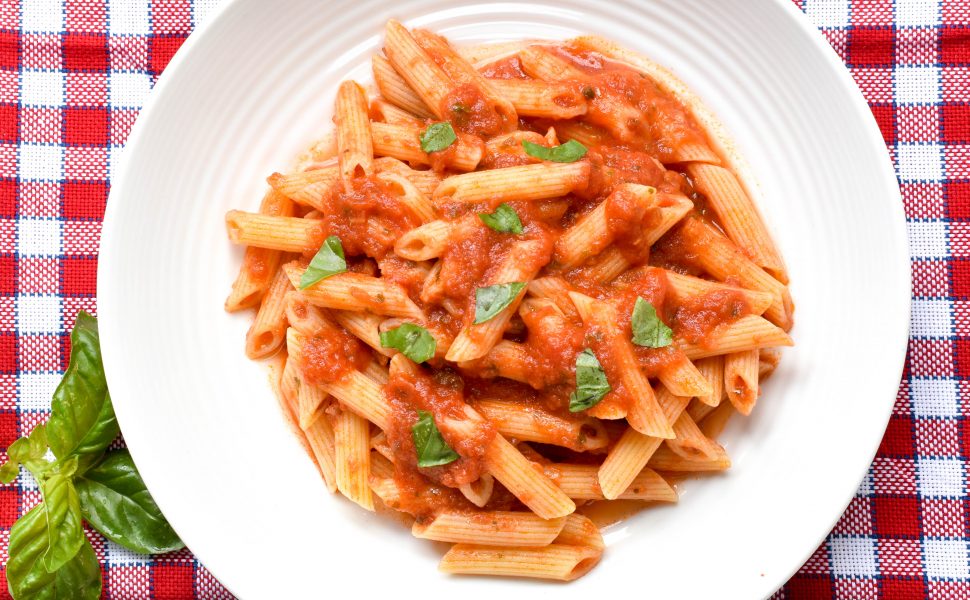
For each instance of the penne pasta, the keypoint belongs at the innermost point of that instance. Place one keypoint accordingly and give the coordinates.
(356, 292)
(268, 331)
(747, 333)
(536, 424)
(493, 528)
(396, 89)
(555, 561)
(530, 182)
(402, 142)
(352, 456)
(287, 234)
(355, 150)
(580, 482)
(259, 265)
(537, 99)
(741, 379)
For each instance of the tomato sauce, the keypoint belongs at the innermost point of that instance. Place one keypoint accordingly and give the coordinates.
(696, 318)
(441, 394)
(368, 218)
(329, 356)
(506, 68)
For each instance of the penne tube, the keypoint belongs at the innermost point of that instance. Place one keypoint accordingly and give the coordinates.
(539, 181)
(364, 326)
(355, 391)
(385, 112)
(308, 188)
(683, 378)
(691, 441)
(396, 89)
(320, 436)
(580, 482)
(698, 410)
(722, 259)
(476, 340)
(606, 267)
(303, 316)
(644, 413)
(352, 456)
(425, 242)
(741, 379)
(541, 99)
(416, 68)
(288, 234)
(532, 423)
(556, 561)
(376, 373)
(714, 423)
(310, 402)
(738, 215)
(409, 195)
(403, 143)
(478, 492)
(540, 63)
(268, 331)
(465, 77)
(490, 528)
(356, 292)
(666, 459)
(531, 487)
(556, 290)
(578, 530)
(712, 369)
(747, 333)
(426, 181)
(630, 454)
(355, 150)
(588, 135)
(682, 287)
(259, 265)
(591, 233)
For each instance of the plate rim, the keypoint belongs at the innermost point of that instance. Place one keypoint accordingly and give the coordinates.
(120, 181)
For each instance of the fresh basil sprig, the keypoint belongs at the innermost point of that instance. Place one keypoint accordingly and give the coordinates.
(413, 341)
(591, 383)
(432, 449)
(437, 137)
(503, 220)
(569, 152)
(49, 555)
(489, 301)
(329, 260)
(648, 329)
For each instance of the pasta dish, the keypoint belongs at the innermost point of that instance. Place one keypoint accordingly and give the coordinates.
(518, 283)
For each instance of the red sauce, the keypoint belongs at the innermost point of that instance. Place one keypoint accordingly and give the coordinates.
(697, 317)
(440, 394)
(613, 165)
(329, 356)
(506, 68)
(368, 218)
(469, 111)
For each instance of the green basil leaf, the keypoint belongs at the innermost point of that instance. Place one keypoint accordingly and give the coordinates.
(503, 220)
(115, 501)
(28, 451)
(329, 260)
(591, 383)
(489, 301)
(82, 421)
(431, 447)
(27, 578)
(569, 152)
(413, 341)
(648, 329)
(65, 535)
(437, 137)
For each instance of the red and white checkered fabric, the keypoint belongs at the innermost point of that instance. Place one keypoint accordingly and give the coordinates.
(73, 74)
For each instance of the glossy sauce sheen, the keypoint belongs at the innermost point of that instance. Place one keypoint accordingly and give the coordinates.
(368, 220)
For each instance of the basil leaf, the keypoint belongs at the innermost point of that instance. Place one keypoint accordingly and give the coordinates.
(115, 501)
(489, 301)
(82, 421)
(411, 340)
(64, 533)
(437, 137)
(27, 578)
(28, 451)
(503, 220)
(329, 260)
(569, 152)
(648, 329)
(431, 447)
(591, 383)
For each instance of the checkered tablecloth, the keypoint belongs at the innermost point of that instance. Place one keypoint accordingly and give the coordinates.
(73, 74)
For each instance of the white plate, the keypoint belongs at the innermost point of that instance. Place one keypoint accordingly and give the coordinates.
(245, 95)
